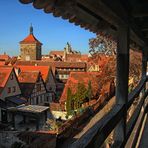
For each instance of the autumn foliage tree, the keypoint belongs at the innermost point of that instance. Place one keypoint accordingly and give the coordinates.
(109, 68)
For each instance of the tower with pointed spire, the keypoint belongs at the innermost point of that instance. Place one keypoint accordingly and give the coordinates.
(30, 47)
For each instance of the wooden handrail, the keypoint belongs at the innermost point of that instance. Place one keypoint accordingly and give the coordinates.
(96, 136)
(135, 92)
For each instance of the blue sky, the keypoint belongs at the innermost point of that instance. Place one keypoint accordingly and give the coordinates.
(51, 31)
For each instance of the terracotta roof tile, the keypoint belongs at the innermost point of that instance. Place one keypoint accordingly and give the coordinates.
(77, 57)
(28, 76)
(43, 69)
(4, 75)
(57, 64)
(4, 57)
(2, 63)
(81, 77)
(57, 52)
(30, 39)
(27, 82)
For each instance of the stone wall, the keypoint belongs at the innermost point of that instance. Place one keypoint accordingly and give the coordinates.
(30, 52)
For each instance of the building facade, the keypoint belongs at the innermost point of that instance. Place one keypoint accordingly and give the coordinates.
(9, 91)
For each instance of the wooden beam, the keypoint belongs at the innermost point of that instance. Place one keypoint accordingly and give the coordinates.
(114, 18)
(140, 10)
(26, 1)
(144, 25)
(144, 61)
(122, 80)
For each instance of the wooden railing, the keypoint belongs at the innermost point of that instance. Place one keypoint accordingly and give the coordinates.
(96, 136)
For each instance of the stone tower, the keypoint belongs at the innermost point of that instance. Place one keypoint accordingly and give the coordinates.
(30, 47)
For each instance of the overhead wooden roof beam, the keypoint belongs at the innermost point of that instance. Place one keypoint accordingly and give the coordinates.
(140, 10)
(92, 14)
(144, 26)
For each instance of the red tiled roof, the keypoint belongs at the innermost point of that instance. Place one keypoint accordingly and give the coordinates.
(56, 52)
(2, 63)
(84, 57)
(57, 64)
(76, 58)
(73, 57)
(43, 69)
(81, 77)
(47, 59)
(4, 75)
(55, 106)
(28, 76)
(4, 57)
(30, 39)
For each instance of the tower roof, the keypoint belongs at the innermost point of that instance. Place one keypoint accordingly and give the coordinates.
(30, 38)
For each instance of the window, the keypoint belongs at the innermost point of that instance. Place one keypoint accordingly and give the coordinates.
(62, 76)
(9, 89)
(14, 89)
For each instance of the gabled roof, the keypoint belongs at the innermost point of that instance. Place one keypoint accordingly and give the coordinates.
(4, 57)
(30, 39)
(2, 63)
(43, 69)
(84, 57)
(57, 52)
(81, 77)
(27, 81)
(77, 57)
(28, 76)
(4, 75)
(57, 64)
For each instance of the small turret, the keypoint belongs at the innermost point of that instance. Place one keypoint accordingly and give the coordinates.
(31, 29)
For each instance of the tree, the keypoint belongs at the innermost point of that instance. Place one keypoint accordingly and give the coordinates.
(103, 43)
(81, 93)
(109, 49)
(69, 101)
(89, 91)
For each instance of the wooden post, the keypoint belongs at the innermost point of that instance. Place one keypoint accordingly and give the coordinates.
(144, 66)
(13, 120)
(122, 80)
(144, 61)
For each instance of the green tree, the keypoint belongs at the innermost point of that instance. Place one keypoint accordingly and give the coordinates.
(81, 93)
(69, 101)
(76, 101)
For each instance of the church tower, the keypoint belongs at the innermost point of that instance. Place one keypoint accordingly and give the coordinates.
(30, 47)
